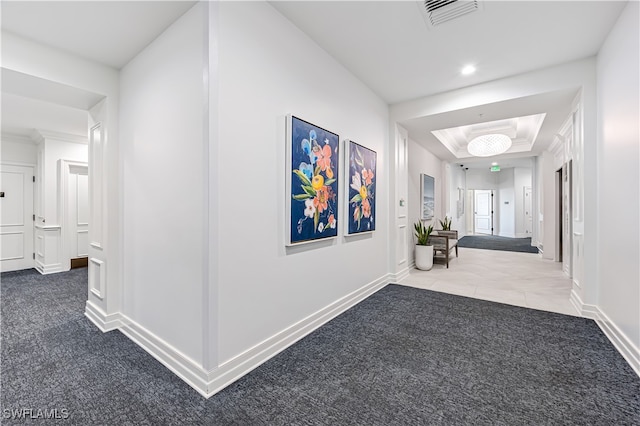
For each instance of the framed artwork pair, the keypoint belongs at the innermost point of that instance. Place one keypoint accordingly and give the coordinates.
(314, 184)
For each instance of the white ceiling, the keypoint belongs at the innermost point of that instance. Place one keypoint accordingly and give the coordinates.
(388, 45)
(108, 32)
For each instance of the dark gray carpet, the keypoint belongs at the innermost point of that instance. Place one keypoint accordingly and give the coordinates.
(494, 242)
(404, 356)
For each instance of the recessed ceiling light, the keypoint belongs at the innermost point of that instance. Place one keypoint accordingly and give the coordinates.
(468, 70)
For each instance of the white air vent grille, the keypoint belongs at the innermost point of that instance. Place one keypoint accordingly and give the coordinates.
(441, 11)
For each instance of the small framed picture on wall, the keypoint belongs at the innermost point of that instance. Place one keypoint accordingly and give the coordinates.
(427, 192)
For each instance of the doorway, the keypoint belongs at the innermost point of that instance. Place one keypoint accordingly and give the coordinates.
(564, 224)
(74, 206)
(483, 212)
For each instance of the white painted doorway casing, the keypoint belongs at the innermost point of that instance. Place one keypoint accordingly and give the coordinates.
(528, 217)
(483, 212)
(74, 210)
(16, 217)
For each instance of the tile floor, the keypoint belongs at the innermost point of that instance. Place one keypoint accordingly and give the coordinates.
(521, 279)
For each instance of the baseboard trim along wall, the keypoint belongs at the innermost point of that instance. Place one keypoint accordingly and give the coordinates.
(181, 365)
(101, 320)
(48, 269)
(231, 370)
(208, 383)
(620, 341)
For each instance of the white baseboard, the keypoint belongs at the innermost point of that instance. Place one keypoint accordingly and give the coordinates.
(233, 369)
(208, 383)
(620, 341)
(402, 274)
(181, 365)
(48, 269)
(103, 321)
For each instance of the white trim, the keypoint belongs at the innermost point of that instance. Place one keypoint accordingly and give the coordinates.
(48, 269)
(101, 320)
(39, 136)
(207, 383)
(243, 363)
(401, 274)
(618, 339)
(98, 290)
(181, 365)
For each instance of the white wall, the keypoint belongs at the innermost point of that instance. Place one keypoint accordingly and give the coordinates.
(521, 180)
(457, 179)
(505, 203)
(18, 150)
(482, 179)
(618, 178)
(421, 161)
(21, 114)
(161, 130)
(267, 69)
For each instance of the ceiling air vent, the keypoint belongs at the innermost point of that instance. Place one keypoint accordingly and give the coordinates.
(441, 11)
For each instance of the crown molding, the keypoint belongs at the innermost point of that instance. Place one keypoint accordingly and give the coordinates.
(39, 136)
(16, 137)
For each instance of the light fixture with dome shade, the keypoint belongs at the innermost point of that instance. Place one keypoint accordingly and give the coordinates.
(488, 145)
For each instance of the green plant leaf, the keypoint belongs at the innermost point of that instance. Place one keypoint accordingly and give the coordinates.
(316, 219)
(301, 197)
(356, 199)
(309, 190)
(329, 181)
(303, 178)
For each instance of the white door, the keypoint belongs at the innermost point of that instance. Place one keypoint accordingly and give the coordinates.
(16, 218)
(483, 212)
(78, 220)
(528, 219)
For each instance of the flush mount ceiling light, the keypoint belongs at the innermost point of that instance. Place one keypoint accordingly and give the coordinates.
(488, 145)
(468, 70)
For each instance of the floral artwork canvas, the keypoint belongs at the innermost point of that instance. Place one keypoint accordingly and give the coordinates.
(312, 182)
(361, 165)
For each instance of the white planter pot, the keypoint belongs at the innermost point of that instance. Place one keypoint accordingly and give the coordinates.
(424, 257)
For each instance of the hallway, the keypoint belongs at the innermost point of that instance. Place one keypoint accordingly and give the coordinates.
(520, 279)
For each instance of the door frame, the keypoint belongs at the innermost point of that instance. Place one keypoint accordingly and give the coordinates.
(64, 170)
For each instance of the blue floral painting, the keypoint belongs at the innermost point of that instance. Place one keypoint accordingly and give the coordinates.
(314, 182)
(362, 188)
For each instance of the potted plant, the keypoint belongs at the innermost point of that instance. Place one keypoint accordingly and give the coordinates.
(445, 224)
(424, 251)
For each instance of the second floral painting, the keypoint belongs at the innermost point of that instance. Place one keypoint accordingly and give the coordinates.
(361, 169)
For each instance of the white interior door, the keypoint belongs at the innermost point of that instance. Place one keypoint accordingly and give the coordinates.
(16, 217)
(482, 213)
(528, 218)
(78, 208)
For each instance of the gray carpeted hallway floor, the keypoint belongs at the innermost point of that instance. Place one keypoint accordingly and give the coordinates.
(495, 242)
(404, 356)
